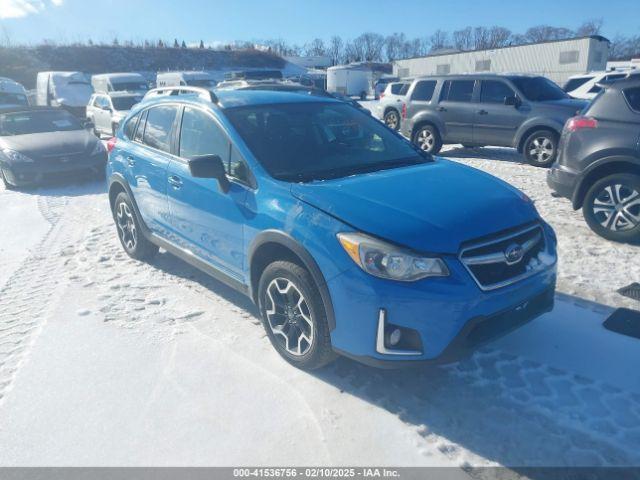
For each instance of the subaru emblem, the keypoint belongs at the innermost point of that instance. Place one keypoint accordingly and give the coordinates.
(514, 253)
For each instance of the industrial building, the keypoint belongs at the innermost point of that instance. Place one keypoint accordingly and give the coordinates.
(556, 60)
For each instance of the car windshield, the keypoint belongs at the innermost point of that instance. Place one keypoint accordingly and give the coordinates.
(124, 103)
(538, 89)
(300, 142)
(7, 98)
(24, 123)
(129, 86)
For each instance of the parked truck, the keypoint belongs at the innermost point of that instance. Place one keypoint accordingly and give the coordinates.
(69, 90)
(119, 82)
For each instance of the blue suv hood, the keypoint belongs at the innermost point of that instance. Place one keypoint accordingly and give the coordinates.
(432, 207)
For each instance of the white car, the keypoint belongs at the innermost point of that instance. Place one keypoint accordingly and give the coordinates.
(106, 111)
(12, 93)
(389, 107)
(586, 87)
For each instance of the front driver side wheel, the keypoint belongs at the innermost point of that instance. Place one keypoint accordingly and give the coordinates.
(129, 230)
(427, 138)
(294, 316)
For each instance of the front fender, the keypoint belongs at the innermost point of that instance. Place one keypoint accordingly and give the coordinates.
(536, 123)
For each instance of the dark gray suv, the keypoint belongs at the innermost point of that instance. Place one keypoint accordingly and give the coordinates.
(598, 165)
(519, 111)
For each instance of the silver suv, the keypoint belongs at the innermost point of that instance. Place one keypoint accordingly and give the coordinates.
(389, 108)
(524, 112)
(106, 111)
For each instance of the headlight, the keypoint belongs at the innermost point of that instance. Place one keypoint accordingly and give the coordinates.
(384, 260)
(99, 148)
(16, 157)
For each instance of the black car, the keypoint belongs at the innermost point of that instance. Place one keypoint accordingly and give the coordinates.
(598, 165)
(525, 112)
(40, 143)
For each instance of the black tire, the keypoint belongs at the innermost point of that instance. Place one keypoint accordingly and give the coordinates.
(135, 244)
(5, 182)
(318, 352)
(392, 119)
(471, 146)
(541, 148)
(363, 95)
(114, 129)
(613, 190)
(432, 146)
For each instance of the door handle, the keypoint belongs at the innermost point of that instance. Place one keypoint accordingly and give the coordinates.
(131, 161)
(482, 112)
(441, 109)
(175, 181)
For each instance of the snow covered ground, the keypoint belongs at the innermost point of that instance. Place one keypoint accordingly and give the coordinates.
(107, 361)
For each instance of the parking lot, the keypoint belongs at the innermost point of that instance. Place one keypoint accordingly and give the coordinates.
(114, 356)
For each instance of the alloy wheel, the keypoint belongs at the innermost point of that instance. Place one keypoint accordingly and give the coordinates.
(391, 120)
(289, 316)
(541, 149)
(426, 140)
(126, 226)
(617, 207)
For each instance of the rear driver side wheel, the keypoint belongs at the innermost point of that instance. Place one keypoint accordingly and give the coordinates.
(427, 138)
(611, 207)
(129, 230)
(392, 120)
(541, 148)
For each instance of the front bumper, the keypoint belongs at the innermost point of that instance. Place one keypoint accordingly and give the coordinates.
(24, 174)
(562, 180)
(451, 315)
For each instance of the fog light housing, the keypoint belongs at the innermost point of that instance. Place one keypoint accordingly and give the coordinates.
(396, 340)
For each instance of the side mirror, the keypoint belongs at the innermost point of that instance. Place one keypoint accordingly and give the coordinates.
(513, 101)
(89, 125)
(210, 166)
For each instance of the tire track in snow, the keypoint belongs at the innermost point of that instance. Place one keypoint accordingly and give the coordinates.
(28, 293)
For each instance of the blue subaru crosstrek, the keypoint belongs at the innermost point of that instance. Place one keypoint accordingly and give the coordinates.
(348, 238)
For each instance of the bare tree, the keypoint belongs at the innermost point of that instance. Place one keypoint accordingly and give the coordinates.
(439, 40)
(480, 38)
(590, 27)
(393, 45)
(463, 39)
(335, 50)
(315, 47)
(499, 37)
(543, 33)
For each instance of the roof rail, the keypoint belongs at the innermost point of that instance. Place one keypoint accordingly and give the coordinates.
(182, 90)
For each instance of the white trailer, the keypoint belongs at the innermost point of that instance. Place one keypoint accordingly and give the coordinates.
(192, 79)
(119, 82)
(350, 80)
(70, 90)
(12, 93)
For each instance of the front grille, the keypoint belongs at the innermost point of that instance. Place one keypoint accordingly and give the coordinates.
(505, 259)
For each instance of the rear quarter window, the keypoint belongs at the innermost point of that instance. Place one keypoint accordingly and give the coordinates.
(632, 95)
(424, 90)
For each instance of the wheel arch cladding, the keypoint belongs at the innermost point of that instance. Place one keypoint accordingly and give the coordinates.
(600, 170)
(273, 245)
(117, 185)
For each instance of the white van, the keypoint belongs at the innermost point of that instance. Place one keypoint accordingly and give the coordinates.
(192, 79)
(70, 90)
(350, 80)
(585, 86)
(119, 82)
(12, 93)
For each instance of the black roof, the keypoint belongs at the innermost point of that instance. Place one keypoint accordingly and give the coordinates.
(596, 37)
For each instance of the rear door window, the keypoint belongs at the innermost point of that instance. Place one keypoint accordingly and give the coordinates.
(457, 90)
(424, 90)
(494, 91)
(157, 133)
